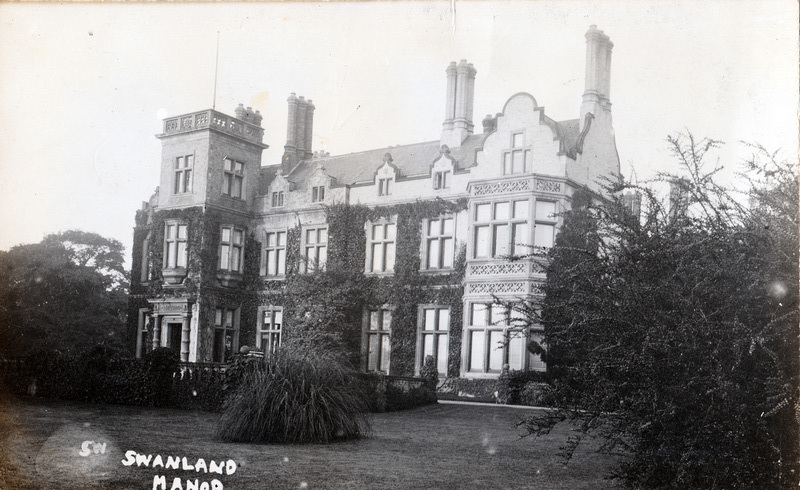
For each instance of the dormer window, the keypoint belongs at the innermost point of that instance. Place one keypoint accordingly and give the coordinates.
(441, 180)
(318, 193)
(517, 159)
(183, 174)
(385, 176)
(232, 178)
(277, 199)
(385, 187)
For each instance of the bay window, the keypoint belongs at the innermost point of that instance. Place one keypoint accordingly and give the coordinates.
(501, 229)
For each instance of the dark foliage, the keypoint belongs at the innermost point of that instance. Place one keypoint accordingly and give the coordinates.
(67, 292)
(675, 336)
(291, 398)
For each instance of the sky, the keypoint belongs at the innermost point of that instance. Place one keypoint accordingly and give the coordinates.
(84, 87)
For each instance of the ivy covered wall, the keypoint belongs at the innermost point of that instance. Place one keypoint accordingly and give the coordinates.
(327, 308)
(323, 311)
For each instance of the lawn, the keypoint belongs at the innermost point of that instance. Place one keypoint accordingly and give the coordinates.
(438, 446)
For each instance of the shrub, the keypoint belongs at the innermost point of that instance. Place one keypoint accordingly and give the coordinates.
(289, 398)
(527, 388)
(429, 373)
(161, 366)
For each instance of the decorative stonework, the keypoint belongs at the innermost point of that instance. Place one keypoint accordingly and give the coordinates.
(501, 187)
(547, 186)
(164, 308)
(488, 269)
(217, 120)
(496, 287)
(537, 288)
(537, 268)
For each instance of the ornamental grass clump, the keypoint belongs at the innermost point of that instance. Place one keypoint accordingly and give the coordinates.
(290, 398)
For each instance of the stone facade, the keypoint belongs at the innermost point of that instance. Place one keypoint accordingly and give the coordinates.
(216, 243)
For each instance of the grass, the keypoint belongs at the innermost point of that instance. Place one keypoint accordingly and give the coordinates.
(438, 446)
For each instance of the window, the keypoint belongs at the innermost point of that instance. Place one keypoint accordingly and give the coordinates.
(377, 340)
(225, 321)
(544, 235)
(315, 248)
(439, 243)
(380, 247)
(517, 159)
(441, 180)
(144, 270)
(183, 174)
(231, 249)
(175, 252)
(434, 327)
(277, 199)
(143, 339)
(275, 254)
(385, 187)
(269, 336)
(318, 193)
(501, 229)
(233, 178)
(495, 338)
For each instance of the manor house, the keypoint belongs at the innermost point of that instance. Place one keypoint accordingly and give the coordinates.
(393, 254)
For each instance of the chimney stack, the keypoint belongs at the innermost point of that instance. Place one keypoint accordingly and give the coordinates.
(458, 104)
(299, 129)
(597, 93)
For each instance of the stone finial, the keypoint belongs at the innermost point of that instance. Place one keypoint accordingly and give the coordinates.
(444, 150)
(257, 118)
(489, 123)
(387, 158)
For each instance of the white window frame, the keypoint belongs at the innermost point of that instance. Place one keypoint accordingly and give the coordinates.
(221, 325)
(315, 251)
(382, 333)
(270, 324)
(383, 246)
(274, 253)
(318, 193)
(233, 178)
(545, 224)
(231, 251)
(504, 236)
(502, 340)
(176, 245)
(182, 173)
(442, 244)
(511, 166)
(441, 179)
(385, 186)
(438, 336)
(144, 269)
(277, 199)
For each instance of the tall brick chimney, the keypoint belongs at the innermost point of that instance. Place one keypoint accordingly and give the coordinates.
(299, 129)
(458, 103)
(597, 93)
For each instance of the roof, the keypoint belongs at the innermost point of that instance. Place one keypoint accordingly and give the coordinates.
(411, 160)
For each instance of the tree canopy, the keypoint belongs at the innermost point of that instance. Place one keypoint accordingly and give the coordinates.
(674, 334)
(67, 292)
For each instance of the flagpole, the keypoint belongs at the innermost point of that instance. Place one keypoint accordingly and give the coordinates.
(216, 70)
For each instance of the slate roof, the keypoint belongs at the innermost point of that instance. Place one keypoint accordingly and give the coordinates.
(411, 160)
